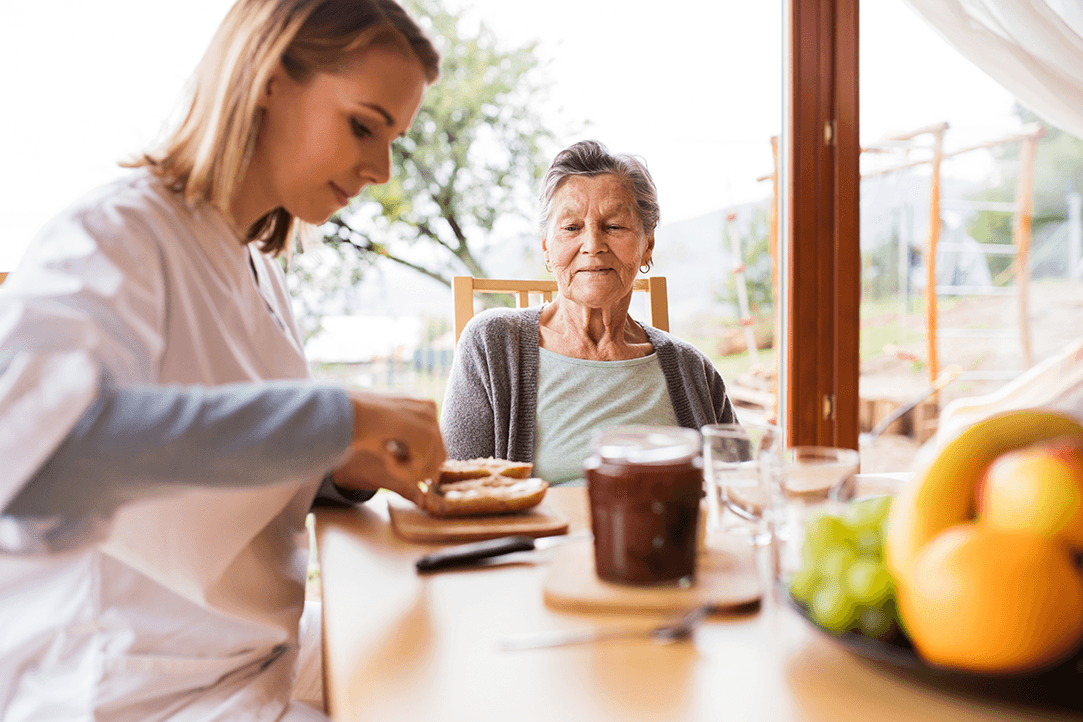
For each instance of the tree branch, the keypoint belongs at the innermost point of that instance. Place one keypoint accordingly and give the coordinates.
(370, 247)
(425, 173)
(420, 269)
(426, 230)
(456, 228)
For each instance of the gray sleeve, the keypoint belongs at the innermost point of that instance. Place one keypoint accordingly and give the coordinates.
(138, 442)
(721, 409)
(696, 388)
(466, 415)
(706, 389)
(724, 410)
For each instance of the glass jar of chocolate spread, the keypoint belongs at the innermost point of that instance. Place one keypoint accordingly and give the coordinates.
(645, 485)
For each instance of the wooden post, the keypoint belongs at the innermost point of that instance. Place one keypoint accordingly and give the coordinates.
(776, 296)
(903, 259)
(772, 228)
(657, 302)
(462, 293)
(741, 285)
(1024, 222)
(930, 253)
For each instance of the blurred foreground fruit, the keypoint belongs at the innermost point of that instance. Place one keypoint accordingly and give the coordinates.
(1037, 488)
(842, 581)
(943, 494)
(990, 600)
(996, 591)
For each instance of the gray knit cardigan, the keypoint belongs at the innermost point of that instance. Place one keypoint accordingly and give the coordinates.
(491, 400)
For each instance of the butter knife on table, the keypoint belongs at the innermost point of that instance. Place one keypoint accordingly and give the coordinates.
(467, 555)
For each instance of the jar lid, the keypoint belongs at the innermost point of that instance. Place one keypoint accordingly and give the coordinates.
(643, 444)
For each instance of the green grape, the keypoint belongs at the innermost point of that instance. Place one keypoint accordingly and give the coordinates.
(868, 513)
(832, 607)
(804, 584)
(891, 607)
(868, 582)
(835, 560)
(875, 622)
(869, 542)
(823, 532)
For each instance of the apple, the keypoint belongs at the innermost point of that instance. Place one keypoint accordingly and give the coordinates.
(1036, 488)
(943, 490)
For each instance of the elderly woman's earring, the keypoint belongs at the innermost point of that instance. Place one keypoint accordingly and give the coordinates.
(646, 267)
(547, 266)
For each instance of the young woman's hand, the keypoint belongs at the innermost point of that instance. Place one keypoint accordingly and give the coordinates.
(396, 444)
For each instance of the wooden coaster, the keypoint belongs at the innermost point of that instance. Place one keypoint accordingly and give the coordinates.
(726, 576)
(412, 524)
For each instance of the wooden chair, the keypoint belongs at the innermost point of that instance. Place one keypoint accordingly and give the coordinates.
(463, 289)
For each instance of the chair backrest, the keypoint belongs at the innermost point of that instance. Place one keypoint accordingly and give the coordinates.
(463, 289)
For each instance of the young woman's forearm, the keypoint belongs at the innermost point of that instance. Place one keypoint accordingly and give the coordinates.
(139, 441)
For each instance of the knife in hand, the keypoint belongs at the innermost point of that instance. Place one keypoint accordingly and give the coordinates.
(465, 555)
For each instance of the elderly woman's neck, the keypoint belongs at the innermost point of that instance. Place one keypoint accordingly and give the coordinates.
(570, 329)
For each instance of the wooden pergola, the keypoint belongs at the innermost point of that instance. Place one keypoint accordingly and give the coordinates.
(1021, 233)
(1022, 228)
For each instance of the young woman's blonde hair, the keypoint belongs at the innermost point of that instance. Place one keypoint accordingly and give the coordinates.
(207, 155)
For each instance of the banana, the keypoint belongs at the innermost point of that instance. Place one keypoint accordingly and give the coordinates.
(942, 494)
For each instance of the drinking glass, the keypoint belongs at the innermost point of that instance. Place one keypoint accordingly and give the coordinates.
(741, 463)
(815, 480)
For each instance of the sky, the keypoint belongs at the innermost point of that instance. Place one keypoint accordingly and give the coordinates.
(695, 90)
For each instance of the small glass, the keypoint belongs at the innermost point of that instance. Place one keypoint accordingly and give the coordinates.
(645, 485)
(741, 464)
(815, 481)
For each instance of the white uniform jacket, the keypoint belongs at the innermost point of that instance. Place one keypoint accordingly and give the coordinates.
(189, 609)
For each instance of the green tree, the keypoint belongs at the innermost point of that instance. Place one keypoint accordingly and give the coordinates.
(757, 259)
(880, 271)
(470, 162)
(321, 280)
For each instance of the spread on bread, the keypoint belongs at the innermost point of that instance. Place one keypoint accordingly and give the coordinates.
(477, 487)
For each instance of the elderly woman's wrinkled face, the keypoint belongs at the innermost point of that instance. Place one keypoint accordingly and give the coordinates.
(595, 242)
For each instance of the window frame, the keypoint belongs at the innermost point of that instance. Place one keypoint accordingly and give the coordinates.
(820, 255)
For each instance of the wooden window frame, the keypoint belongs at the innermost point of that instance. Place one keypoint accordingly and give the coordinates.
(820, 252)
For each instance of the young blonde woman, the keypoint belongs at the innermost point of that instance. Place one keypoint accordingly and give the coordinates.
(162, 443)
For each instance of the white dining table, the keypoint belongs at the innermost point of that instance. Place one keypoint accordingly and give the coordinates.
(399, 646)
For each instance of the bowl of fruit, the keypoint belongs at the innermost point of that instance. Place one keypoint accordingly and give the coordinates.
(842, 578)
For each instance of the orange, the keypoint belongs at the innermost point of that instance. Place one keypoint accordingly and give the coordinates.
(992, 600)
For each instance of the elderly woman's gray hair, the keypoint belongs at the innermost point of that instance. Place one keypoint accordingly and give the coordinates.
(591, 158)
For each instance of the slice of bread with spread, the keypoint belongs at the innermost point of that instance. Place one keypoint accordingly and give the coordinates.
(459, 470)
(478, 487)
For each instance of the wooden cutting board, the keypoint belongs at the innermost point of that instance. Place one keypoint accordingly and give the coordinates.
(726, 576)
(414, 525)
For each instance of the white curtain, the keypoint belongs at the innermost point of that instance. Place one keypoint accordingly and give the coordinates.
(1034, 48)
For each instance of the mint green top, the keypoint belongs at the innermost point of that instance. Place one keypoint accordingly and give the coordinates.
(577, 397)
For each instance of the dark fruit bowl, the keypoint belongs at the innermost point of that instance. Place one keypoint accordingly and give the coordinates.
(1059, 687)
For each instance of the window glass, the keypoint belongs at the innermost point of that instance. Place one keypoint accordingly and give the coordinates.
(695, 91)
(945, 165)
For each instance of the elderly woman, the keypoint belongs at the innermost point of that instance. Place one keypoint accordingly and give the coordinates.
(533, 384)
